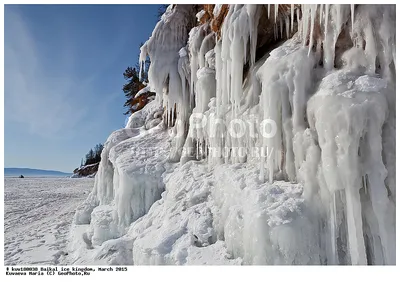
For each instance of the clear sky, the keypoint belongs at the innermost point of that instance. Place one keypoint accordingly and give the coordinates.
(63, 78)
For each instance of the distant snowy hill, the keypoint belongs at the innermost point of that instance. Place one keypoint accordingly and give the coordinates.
(15, 171)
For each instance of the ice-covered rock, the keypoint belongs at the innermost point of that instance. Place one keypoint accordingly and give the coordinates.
(317, 188)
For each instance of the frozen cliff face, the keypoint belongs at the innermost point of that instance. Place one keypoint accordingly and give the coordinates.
(283, 146)
(331, 116)
(330, 113)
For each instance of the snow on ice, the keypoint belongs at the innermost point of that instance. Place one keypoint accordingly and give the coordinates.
(37, 215)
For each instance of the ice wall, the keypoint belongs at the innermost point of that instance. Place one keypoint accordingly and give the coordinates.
(281, 134)
(330, 90)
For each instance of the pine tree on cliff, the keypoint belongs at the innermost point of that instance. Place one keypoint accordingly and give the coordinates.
(93, 156)
(97, 152)
(90, 157)
(132, 87)
(134, 84)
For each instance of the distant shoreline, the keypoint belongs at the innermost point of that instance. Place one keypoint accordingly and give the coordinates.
(38, 176)
(34, 172)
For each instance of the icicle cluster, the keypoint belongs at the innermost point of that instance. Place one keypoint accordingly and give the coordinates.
(167, 39)
(318, 129)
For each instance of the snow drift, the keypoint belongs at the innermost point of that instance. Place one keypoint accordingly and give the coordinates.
(271, 143)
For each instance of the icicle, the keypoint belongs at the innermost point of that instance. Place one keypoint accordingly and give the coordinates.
(269, 10)
(262, 174)
(365, 184)
(253, 16)
(394, 56)
(305, 22)
(291, 17)
(197, 149)
(270, 166)
(331, 34)
(370, 49)
(142, 60)
(326, 20)
(321, 9)
(354, 223)
(287, 26)
(332, 259)
(281, 26)
(313, 11)
(338, 22)
(276, 11)
(298, 16)
(352, 17)
(167, 112)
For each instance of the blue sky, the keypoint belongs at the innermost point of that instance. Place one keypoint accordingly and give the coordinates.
(63, 68)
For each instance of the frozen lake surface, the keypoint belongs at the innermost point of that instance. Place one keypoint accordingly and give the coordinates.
(37, 217)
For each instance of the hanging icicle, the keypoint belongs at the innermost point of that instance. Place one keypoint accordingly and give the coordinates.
(352, 17)
(287, 26)
(291, 17)
(313, 11)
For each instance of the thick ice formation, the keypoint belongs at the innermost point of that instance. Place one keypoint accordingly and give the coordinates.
(288, 79)
(169, 36)
(129, 178)
(352, 168)
(287, 151)
(180, 223)
(227, 210)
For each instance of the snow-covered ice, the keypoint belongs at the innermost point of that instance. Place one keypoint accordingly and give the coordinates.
(324, 192)
(37, 216)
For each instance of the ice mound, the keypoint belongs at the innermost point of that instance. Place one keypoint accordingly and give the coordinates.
(178, 222)
(230, 214)
(127, 184)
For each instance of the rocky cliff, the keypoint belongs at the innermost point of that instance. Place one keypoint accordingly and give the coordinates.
(86, 171)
